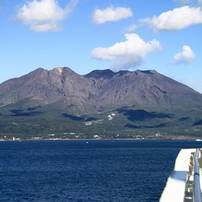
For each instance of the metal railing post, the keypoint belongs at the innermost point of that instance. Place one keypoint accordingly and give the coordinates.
(196, 182)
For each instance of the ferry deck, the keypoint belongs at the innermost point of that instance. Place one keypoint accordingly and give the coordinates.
(185, 182)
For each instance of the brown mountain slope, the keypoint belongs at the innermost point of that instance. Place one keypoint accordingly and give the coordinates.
(64, 89)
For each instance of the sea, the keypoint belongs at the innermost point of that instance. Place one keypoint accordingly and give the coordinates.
(87, 170)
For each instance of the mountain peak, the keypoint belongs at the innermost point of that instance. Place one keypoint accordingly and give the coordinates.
(107, 73)
(146, 71)
(100, 88)
(62, 70)
(58, 70)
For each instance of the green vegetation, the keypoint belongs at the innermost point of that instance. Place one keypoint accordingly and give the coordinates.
(125, 122)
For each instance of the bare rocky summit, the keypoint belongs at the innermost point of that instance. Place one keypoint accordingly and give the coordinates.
(77, 94)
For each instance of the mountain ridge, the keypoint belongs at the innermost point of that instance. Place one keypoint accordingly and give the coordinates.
(96, 90)
(124, 104)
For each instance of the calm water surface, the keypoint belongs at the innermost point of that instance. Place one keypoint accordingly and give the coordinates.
(77, 171)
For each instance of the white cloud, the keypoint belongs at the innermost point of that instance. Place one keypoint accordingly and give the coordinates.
(184, 57)
(127, 54)
(200, 2)
(131, 28)
(189, 1)
(111, 14)
(44, 15)
(183, 1)
(177, 19)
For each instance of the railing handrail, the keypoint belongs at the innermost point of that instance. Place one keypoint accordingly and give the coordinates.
(196, 182)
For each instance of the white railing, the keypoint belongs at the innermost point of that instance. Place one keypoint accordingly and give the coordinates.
(184, 183)
(196, 179)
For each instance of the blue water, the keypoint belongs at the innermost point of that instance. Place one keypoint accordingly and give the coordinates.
(77, 171)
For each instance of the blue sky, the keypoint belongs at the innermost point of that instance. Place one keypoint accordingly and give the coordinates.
(85, 35)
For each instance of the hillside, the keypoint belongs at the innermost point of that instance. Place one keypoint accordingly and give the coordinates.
(62, 101)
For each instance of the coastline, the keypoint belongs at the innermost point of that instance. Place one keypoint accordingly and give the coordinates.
(86, 139)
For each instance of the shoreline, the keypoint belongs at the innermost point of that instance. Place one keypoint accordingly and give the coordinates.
(58, 139)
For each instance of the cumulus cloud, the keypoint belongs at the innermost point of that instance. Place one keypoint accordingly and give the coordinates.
(200, 2)
(184, 57)
(111, 14)
(183, 1)
(131, 28)
(189, 1)
(177, 19)
(128, 54)
(44, 15)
